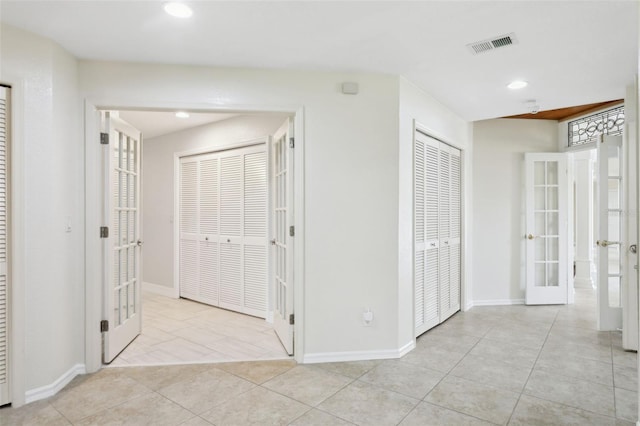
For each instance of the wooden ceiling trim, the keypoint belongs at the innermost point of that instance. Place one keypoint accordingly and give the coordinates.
(561, 114)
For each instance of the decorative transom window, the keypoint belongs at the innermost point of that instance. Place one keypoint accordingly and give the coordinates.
(586, 130)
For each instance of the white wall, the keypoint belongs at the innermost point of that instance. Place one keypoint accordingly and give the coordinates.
(158, 182)
(51, 165)
(498, 203)
(351, 181)
(415, 104)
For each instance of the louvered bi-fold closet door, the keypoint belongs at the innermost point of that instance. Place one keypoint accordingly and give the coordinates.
(223, 229)
(437, 214)
(189, 228)
(4, 291)
(426, 276)
(255, 256)
(449, 230)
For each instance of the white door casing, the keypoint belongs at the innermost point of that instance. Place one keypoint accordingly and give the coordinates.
(122, 246)
(611, 249)
(282, 231)
(546, 228)
(4, 247)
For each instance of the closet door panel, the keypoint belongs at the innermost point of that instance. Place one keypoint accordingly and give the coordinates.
(231, 196)
(189, 229)
(209, 280)
(223, 229)
(426, 234)
(231, 292)
(255, 233)
(189, 269)
(456, 226)
(255, 280)
(432, 238)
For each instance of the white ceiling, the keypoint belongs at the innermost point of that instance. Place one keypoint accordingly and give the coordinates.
(571, 52)
(158, 123)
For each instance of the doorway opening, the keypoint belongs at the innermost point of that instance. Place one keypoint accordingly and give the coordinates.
(164, 201)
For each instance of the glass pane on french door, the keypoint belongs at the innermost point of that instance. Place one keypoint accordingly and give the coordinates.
(614, 225)
(125, 227)
(546, 228)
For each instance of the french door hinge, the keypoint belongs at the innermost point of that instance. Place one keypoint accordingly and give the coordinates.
(292, 142)
(104, 326)
(104, 232)
(292, 231)
(104, 138)
(292, 319)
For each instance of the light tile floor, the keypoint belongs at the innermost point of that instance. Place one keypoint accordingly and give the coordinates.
(178, 331)
(512, 365)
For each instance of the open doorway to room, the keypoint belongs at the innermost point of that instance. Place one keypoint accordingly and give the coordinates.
(198, 214)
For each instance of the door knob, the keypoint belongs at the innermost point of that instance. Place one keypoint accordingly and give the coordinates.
(273, 242)
(633, 248)
(605, 243)
(530, 237)
(140, 243)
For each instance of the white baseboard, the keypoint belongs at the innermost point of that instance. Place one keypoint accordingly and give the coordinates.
(55, 387)
(358, 355)
(498, 302)
(469, 305)
(162, 290)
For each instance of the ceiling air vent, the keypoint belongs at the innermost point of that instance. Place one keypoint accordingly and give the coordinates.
(492, 43)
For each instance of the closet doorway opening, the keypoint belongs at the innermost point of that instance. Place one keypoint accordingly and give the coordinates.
(198, 254)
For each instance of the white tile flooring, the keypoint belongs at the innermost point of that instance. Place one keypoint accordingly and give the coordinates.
(178, 331)
(515, 365)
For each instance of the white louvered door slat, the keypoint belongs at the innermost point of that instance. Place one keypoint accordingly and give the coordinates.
(4, 240)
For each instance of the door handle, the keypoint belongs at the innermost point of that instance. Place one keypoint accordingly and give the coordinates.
(530, 237)
(605, 243)
(273, 242)
(140, 243)
(633, 248)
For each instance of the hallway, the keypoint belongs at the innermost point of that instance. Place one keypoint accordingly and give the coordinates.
(512, 365)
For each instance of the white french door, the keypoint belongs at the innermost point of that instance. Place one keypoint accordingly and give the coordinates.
(546, 227)
(610, 243)
(122, 319)
(437, 231)
(4, 240)
(282, 234)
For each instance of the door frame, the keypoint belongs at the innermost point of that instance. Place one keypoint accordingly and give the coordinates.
(93, 202)
(16, 297)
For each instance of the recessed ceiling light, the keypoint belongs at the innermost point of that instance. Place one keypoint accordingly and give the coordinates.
(182, 114)
(517, 84)
(177, 9)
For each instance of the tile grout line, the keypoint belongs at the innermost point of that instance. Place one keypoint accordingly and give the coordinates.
(533, 368)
